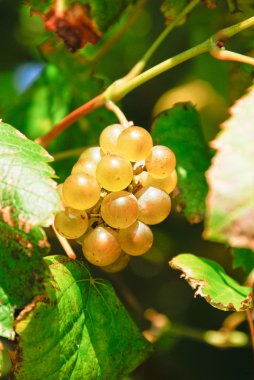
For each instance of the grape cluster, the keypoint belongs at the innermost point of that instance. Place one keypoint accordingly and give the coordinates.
(113, 193)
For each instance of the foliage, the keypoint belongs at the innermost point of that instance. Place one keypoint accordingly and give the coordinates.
(179, 128)
(211, 282)
(58, 318)
(230, 207)
(83, 341)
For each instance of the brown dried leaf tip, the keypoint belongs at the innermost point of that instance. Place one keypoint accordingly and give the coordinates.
(73, 26)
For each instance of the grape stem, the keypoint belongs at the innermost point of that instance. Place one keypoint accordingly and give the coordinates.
(122, 87)
(119, 113)
(227, 55)
(65, 244)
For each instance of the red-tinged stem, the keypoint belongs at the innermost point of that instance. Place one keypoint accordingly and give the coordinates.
(227, 55)
(75, 115)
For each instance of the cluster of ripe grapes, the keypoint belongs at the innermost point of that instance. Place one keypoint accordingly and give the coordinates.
(113, 193)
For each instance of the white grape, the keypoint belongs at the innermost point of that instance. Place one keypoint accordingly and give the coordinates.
(167, 184)
(109, 137)
(101, 246)
(114, 173)
(81, 191)
(160, 162)
(71, 226)
(154, 205)
(134, 143)
(136, 239)
(119, 209)
(118, 265)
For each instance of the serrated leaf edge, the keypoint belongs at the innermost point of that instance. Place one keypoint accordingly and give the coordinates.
(198, 286)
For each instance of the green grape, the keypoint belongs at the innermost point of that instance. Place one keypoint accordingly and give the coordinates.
(118, 265)
(85, 165)
(167, 184)
(71, 224)
(154, 205)
(94, 154)
(101, 246)
(81, 191)
(134, 143)
(109, 136)
(160, 162)
(114, 173)
(136, 239)
(119, 209)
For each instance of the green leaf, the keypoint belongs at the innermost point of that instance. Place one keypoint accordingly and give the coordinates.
(243, 258)
(210, 281)
(6, 316)
(230, 201)
(27, 193)
(179, 128)
(80, 330)
(22, 271)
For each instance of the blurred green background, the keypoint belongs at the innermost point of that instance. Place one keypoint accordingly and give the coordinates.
(38, 88)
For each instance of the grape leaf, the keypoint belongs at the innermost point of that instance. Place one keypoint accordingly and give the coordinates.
(230, 201)
(179, 128)
(21, 271)
(210, 281)
(243, 258)
(6, 316)
(81, 21)
(96, 340)
(27, 193)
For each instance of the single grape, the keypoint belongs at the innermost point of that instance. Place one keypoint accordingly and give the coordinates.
(114, 173)
(81, 191)
(94, 154)
(167, 184)
(118, 265)
(71, 225)
(154, 205)
(109, 136)
(160, 162)
(134, 143)
(119, 209)
(136, 239)
(85, 165)
(101, 247)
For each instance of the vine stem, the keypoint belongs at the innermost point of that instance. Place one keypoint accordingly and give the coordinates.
(65, 244)
(119, 113)
(68, 120)
(139, 67)
(251, 326)
(123, 86)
